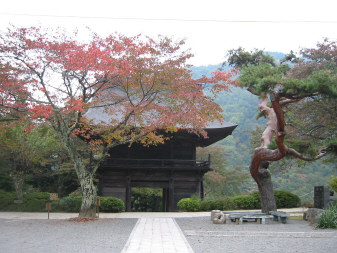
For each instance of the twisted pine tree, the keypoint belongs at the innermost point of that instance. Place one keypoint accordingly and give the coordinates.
(287, 89)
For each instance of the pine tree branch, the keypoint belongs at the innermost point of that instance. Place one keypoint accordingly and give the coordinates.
(298, 155)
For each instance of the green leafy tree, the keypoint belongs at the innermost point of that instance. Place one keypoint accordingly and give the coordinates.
(25, 151)
(222, 181)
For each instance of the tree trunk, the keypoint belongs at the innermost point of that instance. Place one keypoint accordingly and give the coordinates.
(89, 195)
(19, 180)
(85, 169)
(266, 190)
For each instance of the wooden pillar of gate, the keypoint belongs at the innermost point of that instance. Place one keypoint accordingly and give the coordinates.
(202, 194)
(171, 204)
(165, 200)
(128, 194)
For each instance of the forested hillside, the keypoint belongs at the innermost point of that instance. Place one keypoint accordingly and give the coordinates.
(240, 107)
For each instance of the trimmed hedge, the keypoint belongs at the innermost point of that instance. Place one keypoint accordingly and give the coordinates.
(146, 200)
(108, 204)
(189, 204)
(286, 199)
(250, 201)
(36, 202)
(111, 205)
(220, 204)
(283, 199)
(6, 199)
(70, 204)
(32, 202)
(36, 196)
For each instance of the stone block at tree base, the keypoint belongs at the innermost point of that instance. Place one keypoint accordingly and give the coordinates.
(220, 218)
(313, 214)
(214, 213)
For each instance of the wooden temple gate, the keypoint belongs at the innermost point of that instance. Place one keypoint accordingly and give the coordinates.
(171, 166)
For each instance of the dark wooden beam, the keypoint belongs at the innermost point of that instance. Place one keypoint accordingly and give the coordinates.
(128, 194)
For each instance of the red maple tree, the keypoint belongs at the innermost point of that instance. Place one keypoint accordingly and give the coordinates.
(136, 84)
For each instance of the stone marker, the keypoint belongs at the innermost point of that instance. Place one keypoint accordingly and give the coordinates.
(321, 196)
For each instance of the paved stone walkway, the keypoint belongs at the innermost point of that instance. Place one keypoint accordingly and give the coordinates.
(157, 235)
(153, 233)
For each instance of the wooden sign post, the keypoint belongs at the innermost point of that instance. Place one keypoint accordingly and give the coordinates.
(48, 208)
(52, 196)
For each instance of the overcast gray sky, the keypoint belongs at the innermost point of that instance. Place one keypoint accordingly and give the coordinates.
(210, 27)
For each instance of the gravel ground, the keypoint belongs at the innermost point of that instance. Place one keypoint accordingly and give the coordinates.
(39, 236)
(295, 236)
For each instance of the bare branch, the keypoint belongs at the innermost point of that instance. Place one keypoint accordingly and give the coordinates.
(289, 101)
(294, 97)
(298, 155)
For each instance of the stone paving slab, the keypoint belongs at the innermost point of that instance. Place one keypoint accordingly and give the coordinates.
(254, 234)
(157, 235)
(63, 236)
(295, 236)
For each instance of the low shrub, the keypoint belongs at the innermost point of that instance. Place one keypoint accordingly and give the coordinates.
(6, 199)
(256, 196)
(111, 204)
(208, 205)
(218, 204)
(33, 205)
(55, 206)
(246, 202)
(32, 202)
(36, 196)
(35, 202)
(285, 199)
(329, 217)
(70, 204)
(189, 204)
(205, 205)
(228, 204)
(146, 200)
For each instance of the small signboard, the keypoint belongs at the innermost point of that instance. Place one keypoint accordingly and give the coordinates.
(54, 196)
(48, 207)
